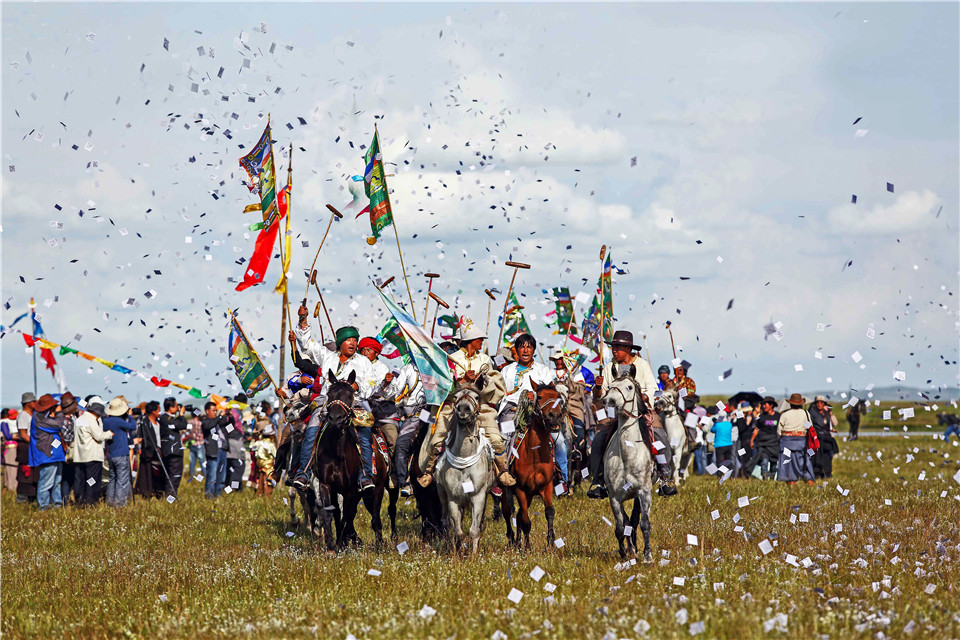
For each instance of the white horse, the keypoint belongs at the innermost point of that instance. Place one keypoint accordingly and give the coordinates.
(465, 471)
(627, 464)
(681, 449)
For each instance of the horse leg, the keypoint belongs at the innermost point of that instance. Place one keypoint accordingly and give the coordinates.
(350, 504)
(325, 517)
(635, 522)
(523, 518)
(507, 502)
(373, 504)
(455, 523)
(643, 499)
(394, 496)
(497, 507)
(292, 499)
(548, 510)
(476, 522)
(618, 523)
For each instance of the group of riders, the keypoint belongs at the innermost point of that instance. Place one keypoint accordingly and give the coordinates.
(390, 408)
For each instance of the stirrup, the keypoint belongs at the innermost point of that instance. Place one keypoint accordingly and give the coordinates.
(506, 479)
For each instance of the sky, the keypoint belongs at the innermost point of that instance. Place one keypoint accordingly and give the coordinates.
(715, 150)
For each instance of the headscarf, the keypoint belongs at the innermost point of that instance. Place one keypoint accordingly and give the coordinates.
(345, 333)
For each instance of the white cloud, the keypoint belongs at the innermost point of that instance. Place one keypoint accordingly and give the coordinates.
(912, 211)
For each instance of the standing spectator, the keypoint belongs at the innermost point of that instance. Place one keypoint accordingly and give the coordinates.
(122, 426)
(151, 473)
(265, 452)
(26, 475)
(723, 441)
(46, 451)
(194, 441)
(765, 441)
(235, 450)
(172, 424)
(821, 415)
(794, 463)
(88, 452)
(952, 422)
(69, 408)
(213, 425)
(8, 425)
(744, 425)
(853, 419)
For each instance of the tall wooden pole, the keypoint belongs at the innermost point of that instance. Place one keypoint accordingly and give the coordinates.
(603, 305)
(286, 299)
(516, 267)
(491, 299)
(396, 234)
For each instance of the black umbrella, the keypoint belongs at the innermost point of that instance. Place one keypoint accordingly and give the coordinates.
(752, 397)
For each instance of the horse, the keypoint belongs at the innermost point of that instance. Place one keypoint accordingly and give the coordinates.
(336, 468)
(681, 448)
(534, 465)
(428, 502)
(464, 473)
(628, 464)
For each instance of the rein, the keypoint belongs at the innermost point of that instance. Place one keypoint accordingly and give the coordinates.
(636, 398)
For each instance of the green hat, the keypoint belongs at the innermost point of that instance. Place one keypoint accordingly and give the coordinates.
(345, 333)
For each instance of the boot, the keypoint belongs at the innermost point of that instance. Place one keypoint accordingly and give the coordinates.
(503, 473)
(666, 481)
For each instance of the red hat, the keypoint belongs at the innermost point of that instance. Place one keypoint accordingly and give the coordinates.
(370, 343)
(12, 414)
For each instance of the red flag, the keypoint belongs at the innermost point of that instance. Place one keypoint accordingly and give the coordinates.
(263, 248)
(45, 354)
(160, 382)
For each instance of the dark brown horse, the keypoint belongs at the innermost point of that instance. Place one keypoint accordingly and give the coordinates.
(428, 502)
(336, 470)
(534, 466)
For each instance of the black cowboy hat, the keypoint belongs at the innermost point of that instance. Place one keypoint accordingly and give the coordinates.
(623, 339)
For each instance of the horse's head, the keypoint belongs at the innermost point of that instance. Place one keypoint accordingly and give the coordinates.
(548, 403)
(466, 402)
(623, 392)
(340, 400)
(667, 402)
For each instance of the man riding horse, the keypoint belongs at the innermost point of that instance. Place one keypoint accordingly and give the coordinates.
(470, 363)
(340, 363)
(654, 435)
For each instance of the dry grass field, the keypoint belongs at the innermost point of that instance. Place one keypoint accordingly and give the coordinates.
(872, 553)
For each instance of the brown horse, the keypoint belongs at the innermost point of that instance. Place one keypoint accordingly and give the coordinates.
(534, 466)
(336, 471)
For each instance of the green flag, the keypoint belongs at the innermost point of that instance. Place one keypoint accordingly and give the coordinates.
(565, 320)
(375, 185)
(391, 333)
(514, 323)
(250, 371)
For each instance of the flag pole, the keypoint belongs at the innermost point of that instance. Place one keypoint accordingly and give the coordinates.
(33, 330)
(285, 312)
(396, 234)
(491, 299)
(603, 303)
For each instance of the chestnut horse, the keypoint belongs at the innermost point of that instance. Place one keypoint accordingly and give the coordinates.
(534, 466)
(336, 471)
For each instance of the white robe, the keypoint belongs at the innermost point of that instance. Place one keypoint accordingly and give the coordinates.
(539, 373)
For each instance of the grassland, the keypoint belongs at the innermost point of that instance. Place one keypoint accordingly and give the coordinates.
(876, 557)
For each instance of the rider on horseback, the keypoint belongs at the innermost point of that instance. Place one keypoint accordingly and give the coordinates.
(340, 363)
(518, 376)
(653, 434)
(406, 392)
(470, 363)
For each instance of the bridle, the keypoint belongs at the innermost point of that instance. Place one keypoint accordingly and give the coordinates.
(338, 403)
(540, 406)
(466, 395)
(636, 398)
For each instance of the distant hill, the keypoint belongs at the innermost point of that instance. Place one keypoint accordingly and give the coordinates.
(909, 394)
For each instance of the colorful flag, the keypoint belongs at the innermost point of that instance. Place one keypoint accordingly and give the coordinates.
(375, 185)
(250, 371)
(46, 350)
(281, 287)
(565, 319)
(590, 329)
(253, 162)
(451, 322)
(263, 249)
(391, 333)
(606, 286)
(436, 375)
(514, 323)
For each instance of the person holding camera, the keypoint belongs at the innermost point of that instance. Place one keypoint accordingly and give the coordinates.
(213, 425)
(119, 422)
(172, 425)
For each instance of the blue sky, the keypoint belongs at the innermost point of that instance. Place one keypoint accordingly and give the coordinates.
(513, 129)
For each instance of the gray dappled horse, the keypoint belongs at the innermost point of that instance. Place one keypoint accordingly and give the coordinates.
(627, 464)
